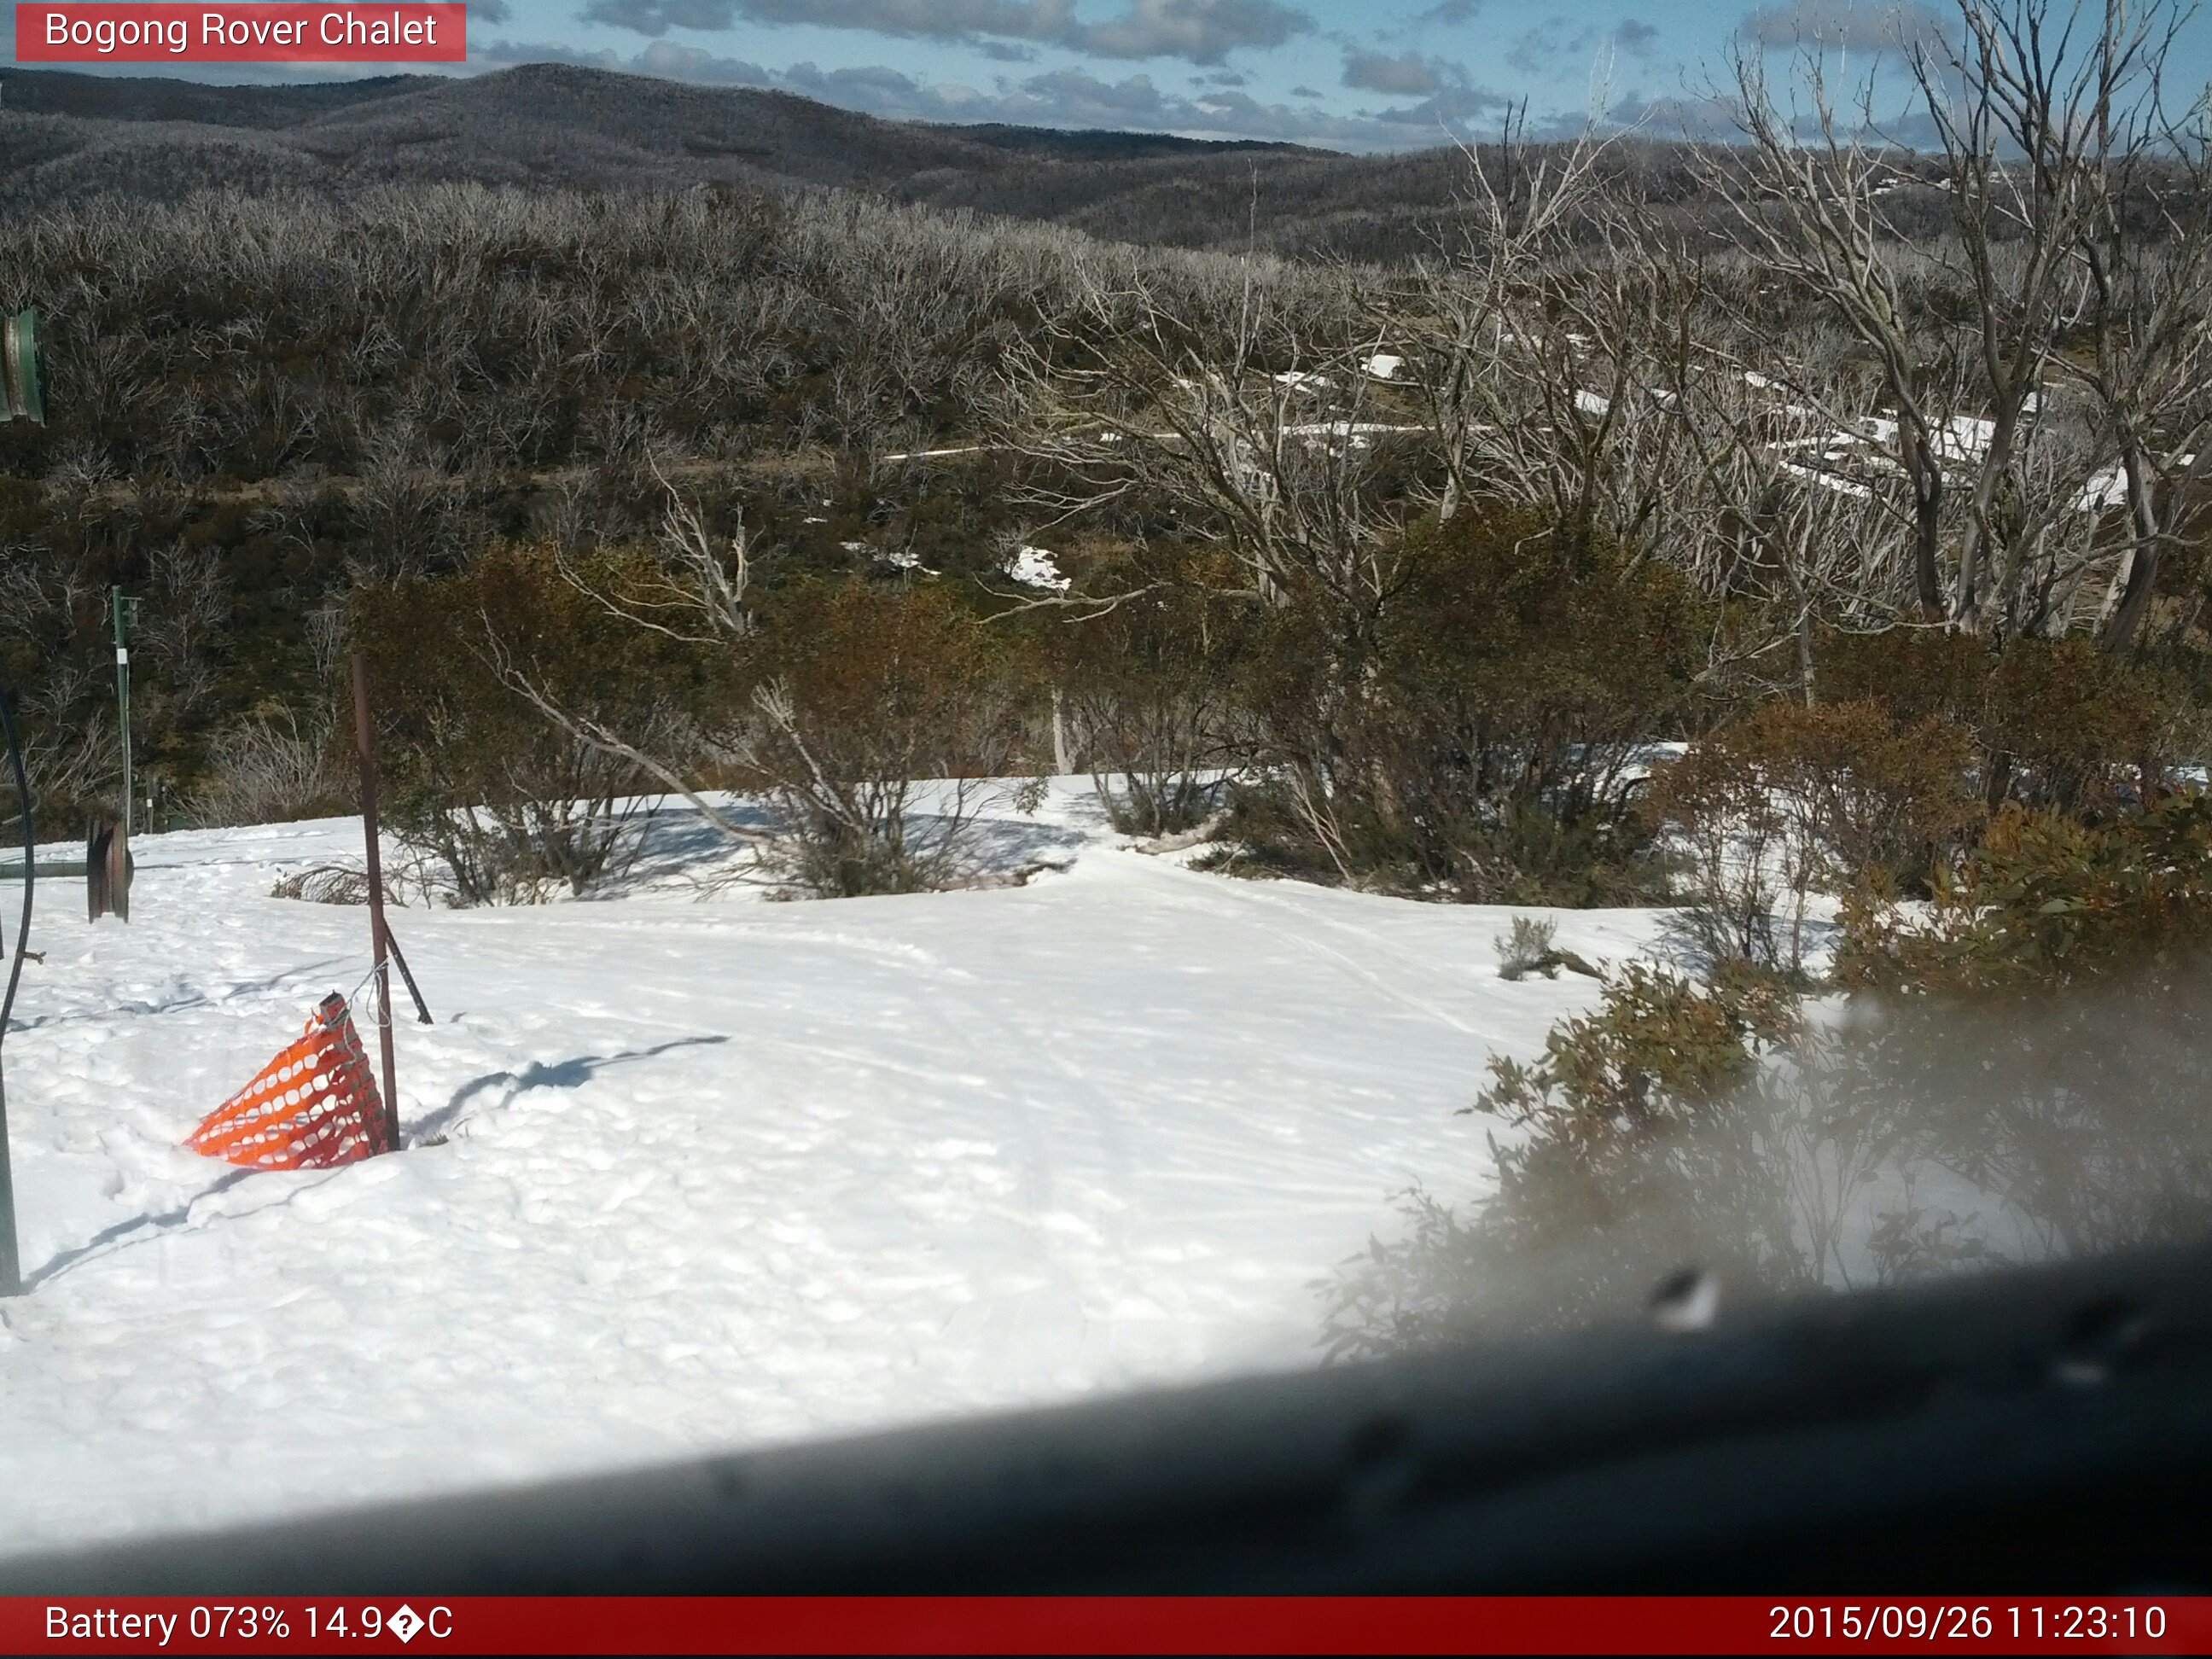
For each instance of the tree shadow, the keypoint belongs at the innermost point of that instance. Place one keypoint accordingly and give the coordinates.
(1006, 844)
(188, 1000)
(161, 1222)
(562, 1074)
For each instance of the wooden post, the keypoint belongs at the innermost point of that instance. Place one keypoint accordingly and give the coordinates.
(365, 741)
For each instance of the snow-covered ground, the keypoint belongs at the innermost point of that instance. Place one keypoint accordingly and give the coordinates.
(687, 1170)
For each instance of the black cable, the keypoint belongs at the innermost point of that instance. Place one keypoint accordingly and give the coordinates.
(11, 1272)
(23, 795)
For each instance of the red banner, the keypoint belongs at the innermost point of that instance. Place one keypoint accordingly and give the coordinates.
(1091, 1625)
(227, 33)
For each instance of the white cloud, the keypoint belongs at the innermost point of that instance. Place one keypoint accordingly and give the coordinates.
(1409, 75)
(1197, 31)
(1847, 25)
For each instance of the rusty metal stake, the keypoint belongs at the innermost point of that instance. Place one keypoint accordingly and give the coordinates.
(407, 978)
(365, 741)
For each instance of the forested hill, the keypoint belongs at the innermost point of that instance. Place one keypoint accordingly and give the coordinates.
(65, 139)
(65, 136)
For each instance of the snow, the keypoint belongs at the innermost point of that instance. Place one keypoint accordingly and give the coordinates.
(2106, 488)
(940, 454)
(1828, 480)
(1964, 438)
(689, 1171)
(1356, 430)
(1037, 567)
(1337, 437)
(1383, 366)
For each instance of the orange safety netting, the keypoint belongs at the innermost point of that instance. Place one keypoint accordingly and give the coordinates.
(313, 1106)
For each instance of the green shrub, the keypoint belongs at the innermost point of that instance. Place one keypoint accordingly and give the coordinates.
(2045, 901)
(1791, 800)
(880, 716)
(1634, 1148)
(507, 800)
(2041, 1032)
(1147, 689)
(2067, 726)
(2045, 1028)
(1480, 735)
(2058, 722)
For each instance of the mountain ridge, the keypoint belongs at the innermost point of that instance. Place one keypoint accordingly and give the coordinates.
(67, 137)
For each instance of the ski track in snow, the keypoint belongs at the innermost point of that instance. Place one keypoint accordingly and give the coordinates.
(714, 1173)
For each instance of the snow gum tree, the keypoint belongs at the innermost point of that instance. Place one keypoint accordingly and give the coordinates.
(870, 716)
(2039, 358)
(507, 802)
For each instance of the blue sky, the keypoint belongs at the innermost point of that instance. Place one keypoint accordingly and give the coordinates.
(1359, 75)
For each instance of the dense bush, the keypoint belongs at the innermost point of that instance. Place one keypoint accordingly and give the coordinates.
(1147, 683)
(1480, 734)
(257, 402)
(880, 715)
(2038, 1037)
(2056, 722)
(2046, 1022)
(1794, 799)
(509, 803)
(1631, 1151)
(2047, 899)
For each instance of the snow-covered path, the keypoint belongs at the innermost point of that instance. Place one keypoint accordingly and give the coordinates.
(714, 1171)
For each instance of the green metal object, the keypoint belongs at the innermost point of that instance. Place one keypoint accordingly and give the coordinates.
(126, 612)
(22, 369)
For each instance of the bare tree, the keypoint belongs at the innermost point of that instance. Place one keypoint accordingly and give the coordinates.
(268, 770)
(1245, 409)
(695, 595)
(2145, 244)
(2051, 134)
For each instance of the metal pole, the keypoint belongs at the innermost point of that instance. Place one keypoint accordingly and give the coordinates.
(407, 977)
(23, 397)
(11, 1267)
(123, 706)
(365, 740)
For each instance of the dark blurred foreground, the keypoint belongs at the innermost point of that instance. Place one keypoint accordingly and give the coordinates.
(2032, 1429)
